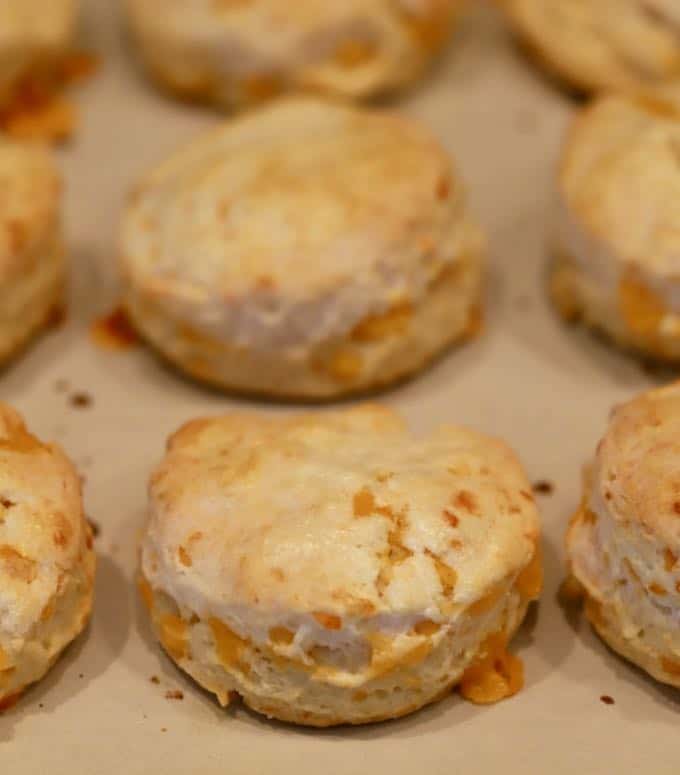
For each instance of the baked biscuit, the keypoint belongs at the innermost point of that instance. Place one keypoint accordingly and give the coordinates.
(35, 42)
(332, 568)
(32, 270)
(46, 559)
(307, 250)
(624, 542)
(237, 52)
(596, 45)
(618, 242)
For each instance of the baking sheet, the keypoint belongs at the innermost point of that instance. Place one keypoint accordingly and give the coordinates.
(544, 387)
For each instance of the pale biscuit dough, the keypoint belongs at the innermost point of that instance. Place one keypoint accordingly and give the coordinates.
(32, 267)
(35, 35)
(624, 542)
(306, 250)
(46, 559)
(598, 45)
(333, 568)
(243, 51)
(617, 261)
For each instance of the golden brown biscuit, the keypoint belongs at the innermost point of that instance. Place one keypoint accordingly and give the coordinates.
(306, 250)
(333, 568)
(32, 270)
(624, 542)
(234, 53)
(46, 559)
(618, 243)
(597, 45)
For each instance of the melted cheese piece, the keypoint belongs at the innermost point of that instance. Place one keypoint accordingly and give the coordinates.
(495, 675)
(530, 581)
(173, 632)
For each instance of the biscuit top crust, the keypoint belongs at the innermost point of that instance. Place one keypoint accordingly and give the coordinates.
(29, 204)
(42, 530)
(276, 28)
(262, 521)
(609, 42)
(620, 181)
(636, 474)
(295, 222)
(37, 23)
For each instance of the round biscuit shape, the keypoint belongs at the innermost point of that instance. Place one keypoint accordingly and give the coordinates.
(32, 267)
(308, 250)
(601, 45)
(240, 52)
(624, 542)
(333, 568)
(617, 263)
(47, 563)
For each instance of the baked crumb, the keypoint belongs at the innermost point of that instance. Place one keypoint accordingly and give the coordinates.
(155, 679)
(607, 700)
(174, 694)
(543, 487)
(81, 400)
(94, 527)
(114, 330)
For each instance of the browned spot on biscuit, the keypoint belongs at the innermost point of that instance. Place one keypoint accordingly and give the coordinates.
(63, 532)
(669, 560)
(657, 589)
(278, 574)
(456, 544)
(451, 518)
(114, 331)
(443, 188)
(185, 557)
(16, 566)
(671, 666)
(527, 496)
(466, 500)
(328, 621)
(363, 503)
(426, 627)
(588, 516)
(676, 507)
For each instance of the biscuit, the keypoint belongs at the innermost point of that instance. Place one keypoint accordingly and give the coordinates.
(35, 44)
(332, 568)
(32, 267)
(237, 52)
(624, 542)
(46, 560)
(617, 239)
(596, 45)
(306, 250)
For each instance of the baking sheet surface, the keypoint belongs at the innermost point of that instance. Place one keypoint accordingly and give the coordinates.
(540, 385)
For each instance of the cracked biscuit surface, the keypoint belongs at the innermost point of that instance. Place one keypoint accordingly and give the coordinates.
(308, 250)
(32, 271)
(236, 52)
(617, 248)
(46, 559)
(596, 45)
(334, 568)
(624, 542)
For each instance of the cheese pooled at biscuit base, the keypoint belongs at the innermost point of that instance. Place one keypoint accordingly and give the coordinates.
(240, 53)
(333, 568)
(32, 268)
(601, 45)
(47, 563)
(624, 542)
(307, 250)
(617, 263)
